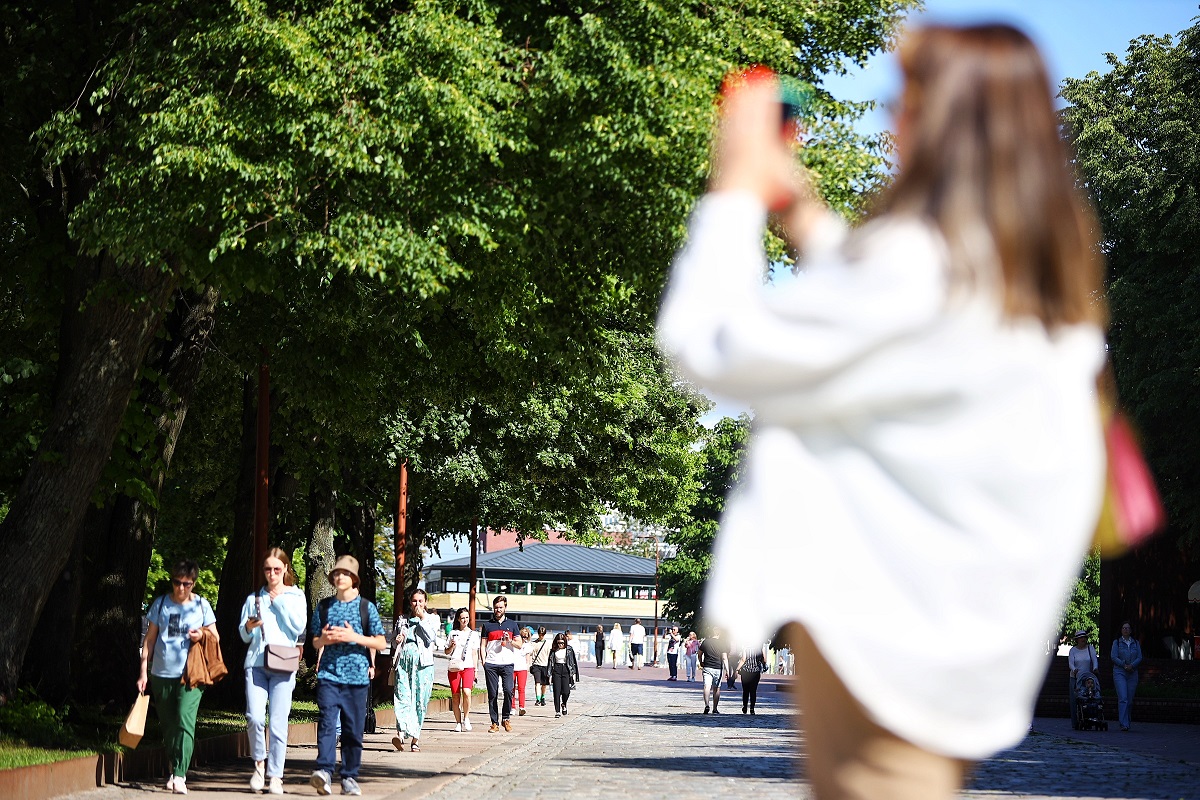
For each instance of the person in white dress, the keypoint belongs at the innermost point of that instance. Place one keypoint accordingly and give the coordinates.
(927, 457)
(616, 645)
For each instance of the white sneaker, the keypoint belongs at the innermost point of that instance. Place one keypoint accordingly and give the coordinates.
(180, 786)
(171, 783)
(320, 781)
(466, 723)
(276, 786)
(259, 778)
(458, 728)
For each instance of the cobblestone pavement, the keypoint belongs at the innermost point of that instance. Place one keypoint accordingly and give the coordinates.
(632, 734)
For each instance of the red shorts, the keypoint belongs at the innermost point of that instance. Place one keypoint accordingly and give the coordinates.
(462, 680)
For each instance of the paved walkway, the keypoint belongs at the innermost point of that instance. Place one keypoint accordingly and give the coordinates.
(631, 734)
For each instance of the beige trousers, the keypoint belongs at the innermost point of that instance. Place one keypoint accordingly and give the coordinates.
(849, 756)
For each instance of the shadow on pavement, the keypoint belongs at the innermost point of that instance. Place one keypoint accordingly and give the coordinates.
(758, 722)
(787, 768)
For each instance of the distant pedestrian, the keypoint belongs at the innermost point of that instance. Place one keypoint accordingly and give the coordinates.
(1080, 658)
(637, 644)
(521, 664)
(539, 668)
(714, 664)
(750, 667)
(564, 672)
(599, 646)
(412, 664)
(1126, 656)
(348, 627)
(500, 639)
(674, 643)
(616, 645)
(275, 616)
(691, 648)
(178, 621)
(461, 648)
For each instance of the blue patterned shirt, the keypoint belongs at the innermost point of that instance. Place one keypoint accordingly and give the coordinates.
(346, 663)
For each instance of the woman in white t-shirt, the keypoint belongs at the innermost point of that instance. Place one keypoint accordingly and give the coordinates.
(461, 668)
(1081, 658)
(521, 667)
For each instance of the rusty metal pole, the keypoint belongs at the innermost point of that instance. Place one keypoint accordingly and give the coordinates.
(474, 566)
(401, 546)
(262, 459)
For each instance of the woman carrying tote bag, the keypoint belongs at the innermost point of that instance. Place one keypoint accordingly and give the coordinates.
(273, 618)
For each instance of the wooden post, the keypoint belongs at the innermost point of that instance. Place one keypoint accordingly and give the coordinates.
(262, 458)
(474, 567)
(401, 547)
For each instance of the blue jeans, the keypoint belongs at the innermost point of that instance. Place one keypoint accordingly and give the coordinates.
(1126, 685)
(262, 685)
(673, 664)
(349, 704)
(494, 674)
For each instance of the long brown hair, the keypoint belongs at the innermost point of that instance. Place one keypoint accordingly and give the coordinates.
(983, 160)
(289, 577)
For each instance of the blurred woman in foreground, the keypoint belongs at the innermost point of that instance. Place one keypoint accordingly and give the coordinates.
(926, 429)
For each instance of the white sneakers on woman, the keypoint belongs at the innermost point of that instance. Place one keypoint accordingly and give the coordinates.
(259, 778)
(458, 727)
(466, 723)
(276, 786)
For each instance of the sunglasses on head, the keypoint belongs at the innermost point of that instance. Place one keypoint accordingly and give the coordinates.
(177, 582)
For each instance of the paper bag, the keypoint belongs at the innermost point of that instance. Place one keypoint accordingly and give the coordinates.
(135, 723)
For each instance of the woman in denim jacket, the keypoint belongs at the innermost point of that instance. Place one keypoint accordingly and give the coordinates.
(1126, 655)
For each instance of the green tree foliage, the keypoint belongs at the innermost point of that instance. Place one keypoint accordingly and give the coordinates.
(682, 578)
(1082, 612)
(1136, 130)
(448, 222)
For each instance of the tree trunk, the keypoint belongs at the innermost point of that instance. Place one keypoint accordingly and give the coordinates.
(116, 541)
(359, 524)
(106, 340)
(319, 555)
(47, 666)
(109, 626)
(237, 574)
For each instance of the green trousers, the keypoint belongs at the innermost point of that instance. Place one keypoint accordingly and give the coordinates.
(177, 707)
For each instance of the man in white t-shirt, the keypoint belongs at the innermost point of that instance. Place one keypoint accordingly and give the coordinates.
(637, 643)
(500, 639)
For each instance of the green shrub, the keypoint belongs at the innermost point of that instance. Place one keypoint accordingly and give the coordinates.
(27, 718)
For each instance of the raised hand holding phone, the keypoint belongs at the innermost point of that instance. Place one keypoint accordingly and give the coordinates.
(755, 143)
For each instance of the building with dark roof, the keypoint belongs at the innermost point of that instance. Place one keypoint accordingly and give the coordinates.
(561, 586)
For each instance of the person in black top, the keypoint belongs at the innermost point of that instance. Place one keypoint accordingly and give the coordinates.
(714, 663)
(599, 646)
(564, 671)
(499, 647)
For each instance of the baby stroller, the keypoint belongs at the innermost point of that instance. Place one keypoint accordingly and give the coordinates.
(1089, 705)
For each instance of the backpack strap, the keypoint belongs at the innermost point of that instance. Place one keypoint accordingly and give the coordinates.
(364, 611)
(159, 600)
(323, 612)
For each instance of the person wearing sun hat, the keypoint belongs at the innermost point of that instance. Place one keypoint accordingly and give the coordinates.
(343, 675)
(1081, 658)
